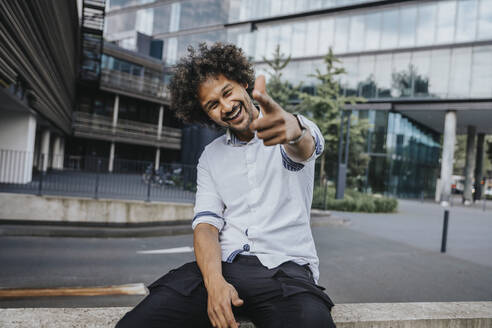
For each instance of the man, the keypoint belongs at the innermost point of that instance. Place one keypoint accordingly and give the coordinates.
(255, 254)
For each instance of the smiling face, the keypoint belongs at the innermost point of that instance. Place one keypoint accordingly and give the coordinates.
(228, 104)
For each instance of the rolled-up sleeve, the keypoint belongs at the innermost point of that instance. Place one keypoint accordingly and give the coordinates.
(209, 207)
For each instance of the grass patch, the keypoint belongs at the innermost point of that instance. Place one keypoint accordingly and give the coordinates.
(353, 201)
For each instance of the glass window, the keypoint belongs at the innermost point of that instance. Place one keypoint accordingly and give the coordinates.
(326, 35)
(145, 20)
(485, 20)
(272, 40)
(482, 72)
(367, 83)
(162, 15)
(408, 20)
(261, 38)
(389, 36)
(175, 14)
(312, 36)
(357, 37)
(341, 34)
(426, 25)
(373, 31)
(421, 66)
(439, 72)
(275, 7)
(171, 51)
(467, 20)
(285, 39)
(298, 38)
(446, 14)
(121, 22)
(459, 83)
(288, 6)
(197, 13)
(383, 75)
(350, 80)
(401, 77)
(234, 6)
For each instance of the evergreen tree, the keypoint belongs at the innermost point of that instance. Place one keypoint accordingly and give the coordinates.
(324, 108)
(281, 91)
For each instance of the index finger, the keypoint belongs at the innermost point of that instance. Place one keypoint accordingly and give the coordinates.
(229, 316)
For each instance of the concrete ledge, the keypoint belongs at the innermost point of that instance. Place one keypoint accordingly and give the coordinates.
(364, 315)
(77, 209)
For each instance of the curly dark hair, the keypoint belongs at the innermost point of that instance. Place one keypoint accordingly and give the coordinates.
(199, 65)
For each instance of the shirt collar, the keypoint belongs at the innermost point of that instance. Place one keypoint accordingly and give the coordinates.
(234, 141)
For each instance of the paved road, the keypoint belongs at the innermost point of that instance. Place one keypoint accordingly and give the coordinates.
(420, 225)
(369, 261)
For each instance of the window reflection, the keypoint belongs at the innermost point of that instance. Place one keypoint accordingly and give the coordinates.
(421, 64)
(485, 20)
(439, 73)
(445, 21)
(383, 76)
(467, 20)
(356, 33)
(341, 34)
(389, 33)
(312, 36)
(481, 85)
(121, 23)
(408, 20)
(401, 76)
(459, 83)
(373, 30)
(326, 35)
(426, 26)
(298, 38)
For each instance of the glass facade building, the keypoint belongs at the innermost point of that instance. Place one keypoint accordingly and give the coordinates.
(393, 51)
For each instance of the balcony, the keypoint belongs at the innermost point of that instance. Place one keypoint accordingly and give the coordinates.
(134, 86)
(100, 127)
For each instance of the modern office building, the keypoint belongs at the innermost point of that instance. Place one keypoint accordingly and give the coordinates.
(38, 73)
(425, 67)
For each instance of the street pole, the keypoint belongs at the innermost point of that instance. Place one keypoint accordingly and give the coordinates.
(445, 231)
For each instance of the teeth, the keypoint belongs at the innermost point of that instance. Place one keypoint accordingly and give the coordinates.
(237, 110)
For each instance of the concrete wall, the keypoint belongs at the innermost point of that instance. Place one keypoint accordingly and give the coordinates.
(72, 209)
(17, 135)
(364, 315)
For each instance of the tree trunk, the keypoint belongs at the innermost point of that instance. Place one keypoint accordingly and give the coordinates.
(322, 174)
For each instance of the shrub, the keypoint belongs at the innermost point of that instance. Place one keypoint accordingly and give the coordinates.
(353, 201)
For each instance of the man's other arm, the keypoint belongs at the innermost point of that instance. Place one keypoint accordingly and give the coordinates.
(220, 293)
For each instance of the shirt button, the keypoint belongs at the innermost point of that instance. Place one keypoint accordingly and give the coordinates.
(246, 247)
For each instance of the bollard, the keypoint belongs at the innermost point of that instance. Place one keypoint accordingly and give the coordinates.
(445, 231)
(148, 187)
(324, 196)
(41, 175)
(484, 204)
(421, 196)
(96, 191)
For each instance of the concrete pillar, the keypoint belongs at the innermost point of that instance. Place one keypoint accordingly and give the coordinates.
(479, 167)
(159, 123)
(17, 143)
(157, 158)
(448, 156)
(45, 150)
(470, 164)
(61, 153)
(111, 157)
(55, 155)
(116, 109)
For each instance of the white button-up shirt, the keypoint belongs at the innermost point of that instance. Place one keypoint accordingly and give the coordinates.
(259, 199)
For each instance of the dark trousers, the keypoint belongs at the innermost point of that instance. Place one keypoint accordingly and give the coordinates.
(282, 297)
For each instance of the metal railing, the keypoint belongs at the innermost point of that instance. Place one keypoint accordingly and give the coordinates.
(135, 84)
(89, 177)
(85, 124)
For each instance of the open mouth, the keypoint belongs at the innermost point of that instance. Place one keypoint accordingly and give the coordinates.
(236, 111)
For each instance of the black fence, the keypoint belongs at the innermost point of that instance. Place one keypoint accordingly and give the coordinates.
(130, 180)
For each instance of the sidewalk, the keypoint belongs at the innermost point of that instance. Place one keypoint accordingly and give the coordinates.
(115, 230)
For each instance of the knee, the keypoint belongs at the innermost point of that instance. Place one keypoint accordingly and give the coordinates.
(316, 314)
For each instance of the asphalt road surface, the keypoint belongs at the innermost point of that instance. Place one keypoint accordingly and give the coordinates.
(377, 258)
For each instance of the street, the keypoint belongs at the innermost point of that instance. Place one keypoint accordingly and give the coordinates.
(377, 258)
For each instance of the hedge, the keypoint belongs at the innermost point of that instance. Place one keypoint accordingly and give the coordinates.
(353, 201)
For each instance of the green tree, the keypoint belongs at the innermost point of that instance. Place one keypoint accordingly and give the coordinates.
(281, 91)
(324, 108)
